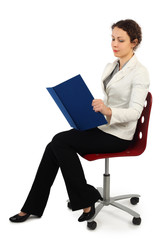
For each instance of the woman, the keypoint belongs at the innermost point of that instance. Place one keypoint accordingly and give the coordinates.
(125, 83)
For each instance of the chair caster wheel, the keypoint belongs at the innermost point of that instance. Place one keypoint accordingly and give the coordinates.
(69, 205)
(92, 225)
(136, 221)
(134, 200)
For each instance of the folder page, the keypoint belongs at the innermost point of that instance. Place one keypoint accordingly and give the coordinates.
(61, 107)
(76, 99)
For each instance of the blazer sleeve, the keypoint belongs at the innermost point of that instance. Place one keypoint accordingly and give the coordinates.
(140, 87)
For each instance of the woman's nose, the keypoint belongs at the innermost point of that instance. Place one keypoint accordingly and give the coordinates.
(115, 43)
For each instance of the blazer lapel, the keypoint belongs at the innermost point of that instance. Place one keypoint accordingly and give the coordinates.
(107, 71)
(119, 75)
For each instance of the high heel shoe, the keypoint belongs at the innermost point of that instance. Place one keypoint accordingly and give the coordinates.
(87, 216)
(17, 218)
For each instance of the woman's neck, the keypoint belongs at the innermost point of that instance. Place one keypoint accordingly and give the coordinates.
(123, 60)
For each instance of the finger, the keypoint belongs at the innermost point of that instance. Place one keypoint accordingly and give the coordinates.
(96, 101)
(97, 108)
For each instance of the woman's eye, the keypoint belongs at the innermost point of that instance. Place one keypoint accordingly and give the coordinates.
(113, 39)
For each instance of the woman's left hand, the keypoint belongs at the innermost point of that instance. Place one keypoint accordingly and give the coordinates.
(99, 106)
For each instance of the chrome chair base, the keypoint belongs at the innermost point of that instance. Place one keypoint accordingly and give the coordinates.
(107, 200)
(113, 201)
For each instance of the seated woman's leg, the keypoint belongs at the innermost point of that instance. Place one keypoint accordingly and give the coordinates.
(62, 152)
(65, 147)
(39, 193)
(81, 194)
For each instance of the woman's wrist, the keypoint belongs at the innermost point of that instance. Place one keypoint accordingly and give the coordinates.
(108, 114)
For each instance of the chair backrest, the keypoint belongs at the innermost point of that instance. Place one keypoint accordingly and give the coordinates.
(139, 141)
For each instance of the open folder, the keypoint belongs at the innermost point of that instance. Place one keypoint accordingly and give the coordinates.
(75, 101)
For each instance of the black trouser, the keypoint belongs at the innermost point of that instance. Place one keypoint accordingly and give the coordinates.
(62, 152)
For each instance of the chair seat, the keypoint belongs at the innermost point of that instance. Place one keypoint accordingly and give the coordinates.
(131, 151)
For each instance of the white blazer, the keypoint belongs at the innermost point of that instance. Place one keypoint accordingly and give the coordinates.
(125, 94)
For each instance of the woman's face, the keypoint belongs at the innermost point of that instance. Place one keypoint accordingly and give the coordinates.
(121, 43)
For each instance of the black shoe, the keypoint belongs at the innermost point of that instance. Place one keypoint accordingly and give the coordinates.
(17, 218)
(87, 216)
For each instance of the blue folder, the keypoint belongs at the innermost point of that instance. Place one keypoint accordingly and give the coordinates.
(75, 101)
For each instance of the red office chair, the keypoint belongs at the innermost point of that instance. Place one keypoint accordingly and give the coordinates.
(136, 148)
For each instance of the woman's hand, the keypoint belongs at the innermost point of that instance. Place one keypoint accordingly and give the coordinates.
(99, 106)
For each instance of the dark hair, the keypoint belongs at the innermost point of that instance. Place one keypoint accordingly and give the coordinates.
(132, 28)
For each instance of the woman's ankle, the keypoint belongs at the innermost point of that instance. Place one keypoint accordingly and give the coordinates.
(22, 214)
(87, 210)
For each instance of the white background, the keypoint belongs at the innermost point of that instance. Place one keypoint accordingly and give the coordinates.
(43, 43)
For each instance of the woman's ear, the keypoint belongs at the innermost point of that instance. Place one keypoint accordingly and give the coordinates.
(134, 43)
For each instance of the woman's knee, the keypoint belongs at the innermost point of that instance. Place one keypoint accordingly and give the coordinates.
(58, 138)
(48, 147)
(66, 138)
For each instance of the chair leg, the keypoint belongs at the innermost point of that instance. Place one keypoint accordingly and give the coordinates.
(126, 209)
(121, 197)
(107, 200)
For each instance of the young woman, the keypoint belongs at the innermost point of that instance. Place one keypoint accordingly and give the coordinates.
(125, 83)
